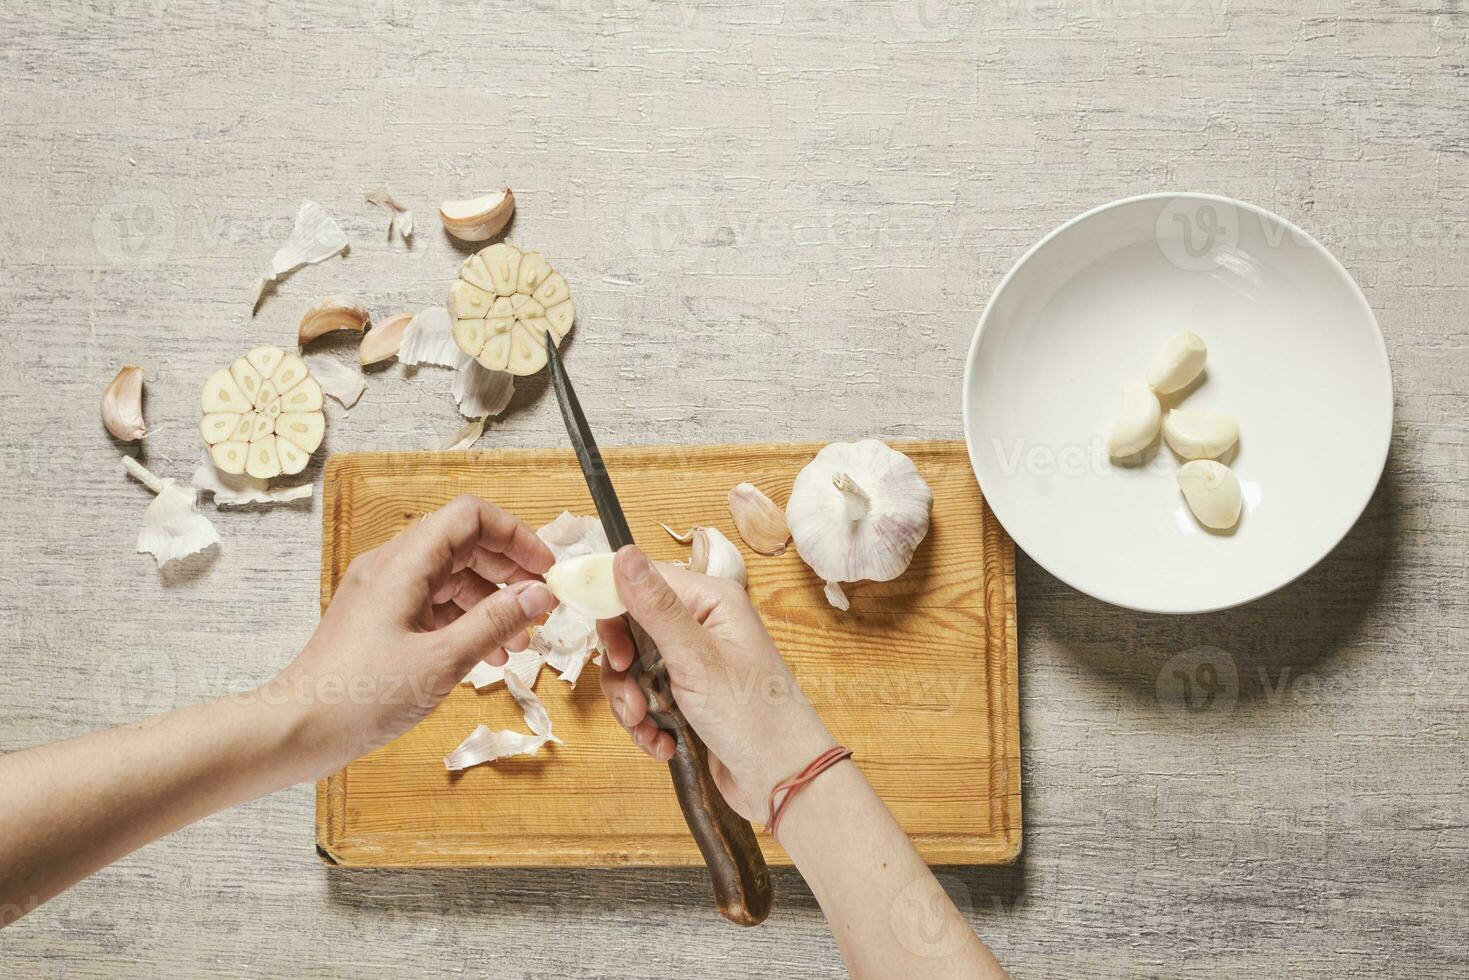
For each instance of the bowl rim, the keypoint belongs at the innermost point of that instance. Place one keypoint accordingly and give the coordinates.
(967, 408)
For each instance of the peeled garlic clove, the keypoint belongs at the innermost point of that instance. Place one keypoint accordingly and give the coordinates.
(468, 302)
(293, 458)
(122, 404)
(714, 554)
(247, 377)
(331, 314)
(561, 317)
(244, 427)
(218, 426)
(1177, 363)
(760, 521)
(262, 461)
(222, 394)
(289, 373)
(1138, 420)
(478, 218)
(1212, 493)
(265, 359)
(304, 397)
(230, 456)
(1200, 434)
(586, 583)
(383, 340)
(303, 429)
(527, 353)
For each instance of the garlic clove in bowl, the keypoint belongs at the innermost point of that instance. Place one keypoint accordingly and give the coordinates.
(857, 512)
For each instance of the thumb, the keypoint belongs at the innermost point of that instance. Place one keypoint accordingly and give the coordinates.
(654, 606)
(494, 620)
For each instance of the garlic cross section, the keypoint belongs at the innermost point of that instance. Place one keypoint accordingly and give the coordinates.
(262, 414)
(504, 303)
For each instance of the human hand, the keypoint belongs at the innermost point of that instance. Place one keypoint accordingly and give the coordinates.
(727, 676)
(407, 622)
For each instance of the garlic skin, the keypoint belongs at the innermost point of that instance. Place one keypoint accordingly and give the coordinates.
(478, 218)
(1200, 434)
(1138, 418)
(332, 313)
(122, 404)
(586, 584)
(760, 521)
(857, 513)
(1212, 493)
(383, 340)
(714, 554)
(1177, 363)
(400, 219)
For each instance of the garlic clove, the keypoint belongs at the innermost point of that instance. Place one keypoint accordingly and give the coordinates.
(263, 426)
(383, 340)
(218, 426)
(331, 314)
(268, 400)
(303, 429)
(304, 397)
(291, 372)
(470, 334)
(222, 394)
(495, 356)
(262, 461)
(244, 427)
(552, 290)
(561, 317)
(526, 355)
(478, 218)
(525, 307)
(1200, 434)
(467, 301)
(293, 458)
(1177, 363)
(758, 519)
(586, 584)
(265, 359)
(503, 262)
(474, 271)
(714, 554)
(504, 307)
(1137, 423)
(533, 269)
(1212, 492)
(230, 456)
(122, 404)
(247, 377)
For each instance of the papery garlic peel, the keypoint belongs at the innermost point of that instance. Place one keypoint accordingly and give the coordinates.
(262, 414)
(383, 340)
(758, 519)
(503, 305)
(586, 584)
(122, 404)
(330, 314)
(478, 219)
(857, 512)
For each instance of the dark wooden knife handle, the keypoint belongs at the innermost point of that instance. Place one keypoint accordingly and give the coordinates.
(732, 853)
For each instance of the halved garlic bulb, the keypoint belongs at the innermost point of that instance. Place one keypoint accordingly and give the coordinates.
(1212, 493)
(262, 414)
(857, 512)
(1177, 363)
(504, 303)
(1200, 434)
(585, 583)
(1138, 418)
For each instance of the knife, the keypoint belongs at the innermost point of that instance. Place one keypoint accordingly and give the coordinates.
(736, 866)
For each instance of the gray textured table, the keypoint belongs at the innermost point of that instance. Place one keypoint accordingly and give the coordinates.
(781, 220)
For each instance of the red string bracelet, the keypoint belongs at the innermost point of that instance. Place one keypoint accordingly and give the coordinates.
(796, 783)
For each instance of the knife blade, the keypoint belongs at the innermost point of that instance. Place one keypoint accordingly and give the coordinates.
(737, 869)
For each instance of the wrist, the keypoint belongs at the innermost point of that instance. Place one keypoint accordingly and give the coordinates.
(305, 749)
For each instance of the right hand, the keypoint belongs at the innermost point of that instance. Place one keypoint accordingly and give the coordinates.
(727, 676)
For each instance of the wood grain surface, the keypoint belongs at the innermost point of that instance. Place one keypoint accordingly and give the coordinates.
(918, 678)
(780, 220)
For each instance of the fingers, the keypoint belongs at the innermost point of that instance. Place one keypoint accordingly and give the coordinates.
(630, 709)
(495, 622)
(464, 588)
(449, 538)
(617, 641)
(659, 610)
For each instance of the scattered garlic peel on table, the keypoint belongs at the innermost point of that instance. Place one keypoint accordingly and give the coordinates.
(429, 339)
(242, 489)
(466, 437)
(339, 381)
(262, 414)
(525, 665)
(759, 520)
(477, 219)
(173, 527)
(484, 745)
(315, 237)
(505, 303)
(329, 315)
(122, 404)
(400, 219)
(857, 513)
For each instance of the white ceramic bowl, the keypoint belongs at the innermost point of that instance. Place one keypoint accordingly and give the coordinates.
(1295, 355)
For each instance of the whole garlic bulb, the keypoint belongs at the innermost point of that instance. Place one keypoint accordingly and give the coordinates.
(857, 513)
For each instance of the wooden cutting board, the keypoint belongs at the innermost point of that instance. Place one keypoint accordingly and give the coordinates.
(919, 678)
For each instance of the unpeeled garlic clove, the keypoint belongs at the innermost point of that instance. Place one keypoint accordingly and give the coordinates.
(332, 313)
(586, 583)
(1177, 363)
(1200, 434)
(758, 519)
(1138, 419)
(478, 218)
(383, 340)
(122, 404)
(714, 554)
(1212, 493)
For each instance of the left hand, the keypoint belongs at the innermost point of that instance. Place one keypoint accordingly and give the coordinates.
(407, 622)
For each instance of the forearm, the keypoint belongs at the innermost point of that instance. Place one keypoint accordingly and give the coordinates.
(76, 806)
(888, 913)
